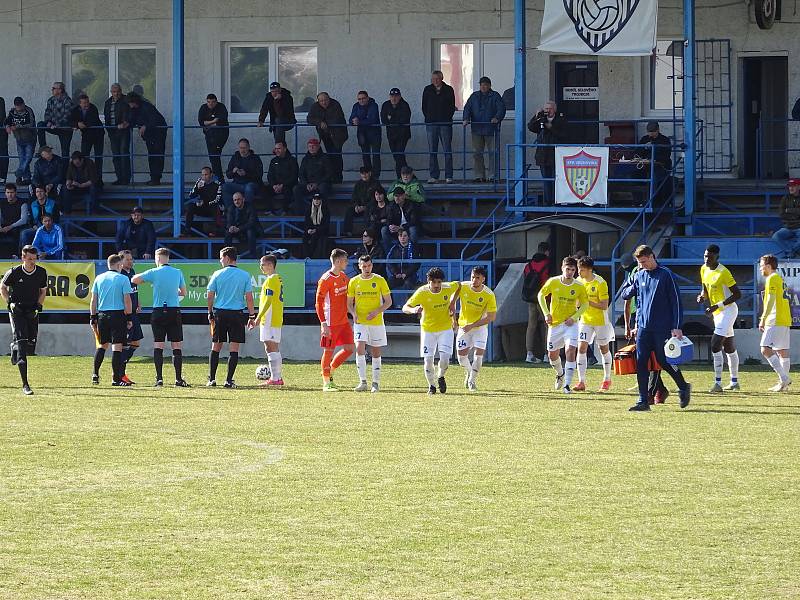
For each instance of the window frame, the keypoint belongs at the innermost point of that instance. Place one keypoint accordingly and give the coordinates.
(272, 70)
(113, 64)
(648, 84)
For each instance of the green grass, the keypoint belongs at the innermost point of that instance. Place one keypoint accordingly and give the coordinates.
(513, 492)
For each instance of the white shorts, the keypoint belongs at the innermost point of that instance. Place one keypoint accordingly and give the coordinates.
(433, 343)
(725, 319)
(373, 335)
(474, 338)
(270, 334)
(589, 333)
(562, 335)
(775, 337)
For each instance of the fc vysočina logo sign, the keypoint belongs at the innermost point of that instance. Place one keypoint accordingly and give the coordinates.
(598, 22)
(582, 171)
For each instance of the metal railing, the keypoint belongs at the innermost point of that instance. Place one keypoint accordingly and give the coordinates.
(790, 146)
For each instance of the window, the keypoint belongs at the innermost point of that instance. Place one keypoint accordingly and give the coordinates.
(666, 75)
(463, 63)
(251, 67)
(92, 70)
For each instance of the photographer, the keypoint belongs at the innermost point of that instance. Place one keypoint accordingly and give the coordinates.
(550, 128)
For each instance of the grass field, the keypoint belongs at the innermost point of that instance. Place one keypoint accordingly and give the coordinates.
(512, 492)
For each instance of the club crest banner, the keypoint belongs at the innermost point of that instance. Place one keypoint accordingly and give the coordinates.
(581, 175)
(609, 27)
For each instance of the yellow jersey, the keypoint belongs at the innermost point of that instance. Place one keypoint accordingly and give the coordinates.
(368, 294)
(435, 307)
(718, 282)
(270, 302)
(780, 314)
(475, 304)
(564, 299)
(596, 291)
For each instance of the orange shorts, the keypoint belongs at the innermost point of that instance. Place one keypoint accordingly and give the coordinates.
(341, 335)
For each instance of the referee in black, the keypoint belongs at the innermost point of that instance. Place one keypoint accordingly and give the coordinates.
(24, 288)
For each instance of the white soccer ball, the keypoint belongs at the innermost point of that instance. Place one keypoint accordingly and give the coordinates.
(581, 185)
(263, 373)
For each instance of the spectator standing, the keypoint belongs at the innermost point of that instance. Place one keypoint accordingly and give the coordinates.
(370, 246)
(153, 130)
(484, 110)
(550, 128)
(535, 275)
(403, 215)
(438, 107)
(57, 118)
(49, 239)
(314, 176)
(14, 217)
(401, 273)
(279, 105)
(242, 224)
(213, 118)
(205, 200)
(281, 178)
(662, 157)
(316, 228)
(40, 206)
(246, 170)
(360, 199)
(396, 117)
(327, 116)
(86, 118)
(378, 210)
(21, 122)
(366, 117)
(788, 236)
(117, 115)
(412, 186)
(138, 235)
(49, 172)
(3, 144)
(81, 179)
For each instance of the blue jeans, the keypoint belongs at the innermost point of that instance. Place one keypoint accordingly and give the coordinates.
(445, 134)
(788, 240)
(229, 189)
(25, 152)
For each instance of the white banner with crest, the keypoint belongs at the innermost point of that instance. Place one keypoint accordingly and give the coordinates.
(581, 175)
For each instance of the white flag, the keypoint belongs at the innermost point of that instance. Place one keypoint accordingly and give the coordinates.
(612, 27)
(581, 175)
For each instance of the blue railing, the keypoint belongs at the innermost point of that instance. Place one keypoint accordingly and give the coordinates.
(763, 148)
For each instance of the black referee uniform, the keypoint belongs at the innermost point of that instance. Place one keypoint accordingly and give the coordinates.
(24, 295)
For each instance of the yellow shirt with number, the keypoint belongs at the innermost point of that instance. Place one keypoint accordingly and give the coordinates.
(781, 314)
(475, 304)
(369, 296)
(270, 302)
(564, 299)
(596, 291)
(718, 282)
(435, 307)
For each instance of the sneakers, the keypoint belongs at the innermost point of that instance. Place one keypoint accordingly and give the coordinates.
(530, 358)
(715, 389)
(559, 382)
(128, 380)
(375, 387)
(639, 406)
(605, 386)
(732, 387)
(661, 396)
(431, 390)
(159, 383)
(328, 386)
(579, 387)
(230, 384)
(449, 180)
(181, 383)
(685, 395)
(472, 386)
(95, 379)
(566, 389)
(361, 387)
(274, 382)
(121, 383)
(781, 386)
(26, 389)
(442, 385)
(211, 383)
(466, 381)
(432, 180)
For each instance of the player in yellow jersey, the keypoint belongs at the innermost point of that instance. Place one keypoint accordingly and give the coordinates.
(776, 319)
(568, 301)
(595, 326)
(478, 309)
(270, 318)
(368, 297)
(720, 294)
(435, 302)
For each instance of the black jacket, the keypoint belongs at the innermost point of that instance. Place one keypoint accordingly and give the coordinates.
(438, 107)
(377, 216)
(557, 134)
(315, 168)
(410, 210)
(220, 112)
(283, 170)
(398, 257)
(375, 252)
(148, 116)
(324, 225)
(209, 193)
(252, 165)
(281, 112)
(141, 237)
(243, 218)
(122, 112)
(333, 115)
(363, 192)
(663, 150)
(91, 119)
(396, 120)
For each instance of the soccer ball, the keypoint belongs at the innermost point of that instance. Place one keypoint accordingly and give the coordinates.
(599, 15)
(581, 185)
(262, 372)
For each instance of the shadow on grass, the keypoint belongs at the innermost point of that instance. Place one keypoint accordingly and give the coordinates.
(702, 409)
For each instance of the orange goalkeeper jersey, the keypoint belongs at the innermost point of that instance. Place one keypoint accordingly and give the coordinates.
(331, 301)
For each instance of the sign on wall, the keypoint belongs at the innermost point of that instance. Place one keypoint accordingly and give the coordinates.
(581, 175)
(580, 93)
(68, 284)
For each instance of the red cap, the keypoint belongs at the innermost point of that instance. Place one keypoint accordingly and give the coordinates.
(314, 141)
(794, 181)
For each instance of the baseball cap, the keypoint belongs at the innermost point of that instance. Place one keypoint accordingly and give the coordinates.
(394, 91)
(316, 195)
(652, 126)
(313, 141)
(138, 209)
(794, 181)
(274, 85)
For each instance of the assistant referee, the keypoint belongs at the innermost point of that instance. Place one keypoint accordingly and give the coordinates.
(24, 288)
(110, 317)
